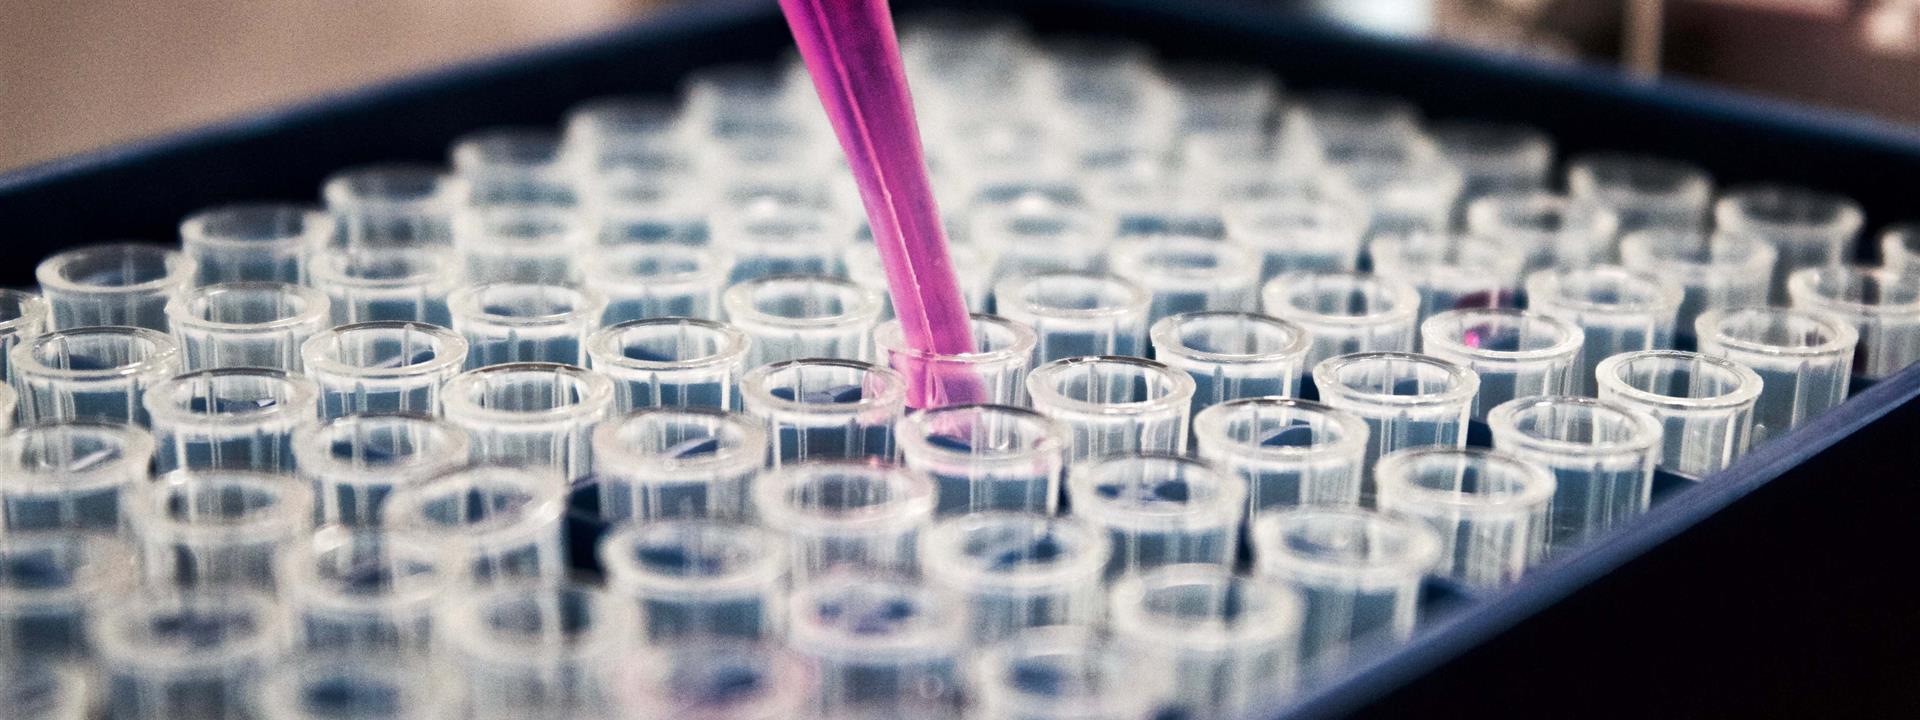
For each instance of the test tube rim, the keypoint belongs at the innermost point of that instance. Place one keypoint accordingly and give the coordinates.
(588, 303)
(1570, 343)
(299, 405)
(1130, 619)
(930, 639)
(291, 512)
(1128, 258)
(1463, 380)
(595, 398)
(50, 273)
(546, 505)
(469, 151)
(1744, 393)
(914, 442)
(712, 263)
(602, 349)
(892, 386)
(912, 508)
(477, 228)
(327, 268)
(943, 557)
(1420, 557)
(1801, 288)
(1009, 291)
(607, 443)
(294, 564)
(1502, 420)
(164, 362)
(110, 567)
(1523, 141)
(282, 687)
(1540, 281)
(1640, 251)
(137, 448)
(990, 665)
(1246, 221)
(1223, 507)
(316, 226)
(1842, 334)
(316, 459)
(1351, 439)
(1485, 214)
(338, 194)
(738, 302)
(1695, 183)
(763, 573)
(318, 361)
(1167, 329)
(890, 340)
(34, 312)
(1179, 394)
(1405, 300)
(314, 308)
(1899, 239)
(612, 624)
(107, 632)
(1532, 498)
(1729, 212)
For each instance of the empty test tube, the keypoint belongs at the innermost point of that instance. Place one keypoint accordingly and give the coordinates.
(1804, 360)
(825, 409)
(1806, 228)
(354, 463)
(1450, 272)
(1900, 248)
(1160, 510)
(394, 205)
(1601, 455)
(1618, 310)
(92, 373)
(1017, 571)
(536, 244)
(116, 284)
(1076, 315)
(846, 514)
(228, 419)
(699, 580)
(216, 528)
(1183, 274)
(520, 322)
(1550, 230)
(1233, 355)
(363, 591)
(1036, 235)
(1358, 571)
(1883, 306)
(23, 316)
(670, 362)
(1644, 192)
(1495, 158)
(1348, 120)
(658, 280)
(995, 372)
(536, 652)
(70, 476)
(375, 284)
(537, 415)
(330, 686)
(1299, 234)
(495, 525)
(1407, 400)
(1488, 508)
(1409, 185)
(1226, 640)
(792, 317)
(261, 242)
(1515, 353)
(52, 586)
(382, 367)
(246, 324)
(881, 645)
(188, 655)
(1345, 312)
(1704, 404)
(660, 463)
(986, 457)
(515, 166)
(769, 237)
(1065, 674)
(1290, 452)
(1114, 405)
(1723, 272)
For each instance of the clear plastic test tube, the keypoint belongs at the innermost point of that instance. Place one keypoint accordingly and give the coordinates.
(70, 476)
(1704, 404)
(228, 419)
(508, 322)
(1358, 571)
(882, 646)
(515, 166)
(1345, 312)
(1233, 355)
(374, 284)
(1601, 455)
(1804, 360)
(1721, 272)
(1033, 234)
(1183, 274)
(770, 237)
(114, 284)
(1077, 315)
(1642, 191)
(1065, 674)
(1225, 640)
(717, 681)
(495, 525)
(803, 316)
(1407, 400)
(23, 317)
(1618, 310)
(1805, 227)
(52, 586)
(699, 580)
(535, 415)
(246, 324)
(846, 514)
(1883, 306)
(48, 691)
(1514, 352)
(188, 655)
(1495, 158)
(657, 280)
(363, 591)
(1449, 272)
(670, 362)
(661, 463)
(327, 686)
(395, 205)
(355, 462)
(91, 373)
(1299, 234)
(986, 457)
(1290, 452)
(536, 652)
(535, 244)
(1015, 571)
(382, 367)
(257, 242)
(815, 409)
(216, 528)
(1550, 230)
(1488, 508)
(1160, 510)
(995, 372)
(1900, 248)
(1114, 405)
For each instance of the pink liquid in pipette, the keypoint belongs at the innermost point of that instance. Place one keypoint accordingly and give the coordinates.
(854, 58)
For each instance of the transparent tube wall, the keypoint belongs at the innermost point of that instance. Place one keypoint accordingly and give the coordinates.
(1804, 359)
(1601, 454)
(1290, 452)
(1704, 404)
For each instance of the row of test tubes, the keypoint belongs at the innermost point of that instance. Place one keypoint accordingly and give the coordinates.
(613, 421)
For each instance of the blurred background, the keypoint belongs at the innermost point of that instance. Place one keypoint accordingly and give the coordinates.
(79, 74)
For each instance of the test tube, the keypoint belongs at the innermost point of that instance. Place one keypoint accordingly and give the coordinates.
(1407, 400)
(825, 408)
(658, 280)
(495, 525)
(91, 373)
(70, 476)
(216, 528)
(228, 419)
(1643, 191)
(1065, 674)
(670, 362)
(47, 691)
(1450, 272)
(52, 586)
(1723, 272)
(717, 681)
(536, 652)
(395, 205)
(1222, 97)
(23, 317)
(1015, 571)
(1299, 234)
(1233, 355)
(376, 284)
(1883, 306)
(188, 655)
(330, 687)
(246, 324)
(1113, 405)
(840, 514)
(986, 457)
(534, 244)
(1804, 360)
(800, 316)
(995, 372)
(699, 580)
(1495, 158)
(1601, 454)
(1704, 404)
(1488, 508)
(1076, 315)
(1618, 310)
(1033, 234)
(115, 284)
(1183, 274)
(1345, 312)
(1358, 571)
(1550, 230)
(259, 242)
(537, 415)
(971, 264)
(769, 237)
(354, 462)
(382, 367)
(1290, 452)
(515, 166)
(881, 646)
(1225, 640)
(1409, 185)
(520, 322)
(1345, 120)
(1160, 510)
(1900, 249)
(1514, 352)
(1805, 227)
(660, 463)
(362, 591)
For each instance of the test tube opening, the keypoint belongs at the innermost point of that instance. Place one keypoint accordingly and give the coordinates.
(1680, 379)
(1395, 378)
(1102, 382)
(1339, 296)
(523, 304)
(1230, 337)
(1777, 331)
(527, 391)
(664, 343)
(125, 267)
(789, 300)
(251, 306)
(1498, 334)
(1467, 482)
(98, 352)
(386, 348)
